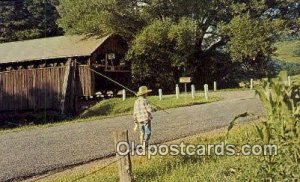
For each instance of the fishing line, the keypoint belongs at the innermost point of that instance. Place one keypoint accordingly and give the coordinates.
(114, 81)
(123, 86)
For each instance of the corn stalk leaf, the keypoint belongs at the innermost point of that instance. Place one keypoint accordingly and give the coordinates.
(234, 121)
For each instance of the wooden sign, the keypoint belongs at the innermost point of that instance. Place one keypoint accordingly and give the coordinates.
(185, 80)
(111, 56)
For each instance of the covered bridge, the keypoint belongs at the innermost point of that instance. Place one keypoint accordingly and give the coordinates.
(53, 73)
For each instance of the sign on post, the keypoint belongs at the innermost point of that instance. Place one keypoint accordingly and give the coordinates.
(185, 80)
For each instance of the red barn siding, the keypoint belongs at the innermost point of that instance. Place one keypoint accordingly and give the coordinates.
(31, 89)
(86, 81)
(39, 88)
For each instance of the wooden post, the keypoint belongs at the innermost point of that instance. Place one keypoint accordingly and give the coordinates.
(251, 84)
(215, 86)
(65, 85)
(73, 87)
(193, 91)
(124, 162)
(289, 81)
(124, 94)
(206, 91)
(177, 91)
(160, 94)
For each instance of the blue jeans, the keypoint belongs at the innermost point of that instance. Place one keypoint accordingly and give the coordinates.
(145, 128)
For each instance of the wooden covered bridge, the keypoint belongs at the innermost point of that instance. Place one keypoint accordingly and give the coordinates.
(53, 73)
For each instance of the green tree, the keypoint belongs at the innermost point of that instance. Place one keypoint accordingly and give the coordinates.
(100, 17)
(154, 70)
(203, 38)
(43, 16)
(251, 41)
(13, 25)
(27, 19)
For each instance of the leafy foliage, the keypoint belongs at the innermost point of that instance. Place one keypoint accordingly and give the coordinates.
(282, 104)
(100, 17)
(27, 19)
(282, 127)
(249, 39)
(154, 70)
(235, 121)
(199, 38)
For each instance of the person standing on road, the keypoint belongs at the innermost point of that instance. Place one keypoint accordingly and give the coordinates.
(143, 115)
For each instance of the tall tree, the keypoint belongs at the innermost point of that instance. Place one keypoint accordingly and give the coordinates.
(13, 21)
(204, 38)
(99, 17)
(27, 19)
(154, 70)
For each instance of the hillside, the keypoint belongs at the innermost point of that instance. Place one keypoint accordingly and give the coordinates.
(288, 51)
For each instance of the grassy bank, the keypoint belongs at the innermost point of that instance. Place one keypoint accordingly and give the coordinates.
(117, 107)
(183, 168)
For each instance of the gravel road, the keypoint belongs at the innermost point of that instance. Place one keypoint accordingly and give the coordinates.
(36, 151)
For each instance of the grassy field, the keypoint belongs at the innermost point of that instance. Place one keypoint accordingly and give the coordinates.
(296, 79)
(288, 51)
(182, 168)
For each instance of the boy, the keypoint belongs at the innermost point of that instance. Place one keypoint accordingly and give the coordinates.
(143, 115)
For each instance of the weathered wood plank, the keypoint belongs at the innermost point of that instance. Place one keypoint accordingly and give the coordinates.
(25, 89)
(124, 162)
(65, 86)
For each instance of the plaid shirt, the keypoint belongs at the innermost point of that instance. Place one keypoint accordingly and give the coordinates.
(142, 110)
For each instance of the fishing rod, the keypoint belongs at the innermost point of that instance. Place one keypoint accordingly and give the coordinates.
(123, 86)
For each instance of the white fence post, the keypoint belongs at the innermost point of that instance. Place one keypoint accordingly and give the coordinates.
(193, 91)
(289, 81)
(124, 94)
(251, 84)
(177, 91)
(160, 94)
(206, 91)
(215, 86)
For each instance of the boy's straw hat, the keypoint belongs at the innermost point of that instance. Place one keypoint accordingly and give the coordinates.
(143, 90)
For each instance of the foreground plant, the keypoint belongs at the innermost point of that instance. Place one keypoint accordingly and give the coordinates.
(282, 104)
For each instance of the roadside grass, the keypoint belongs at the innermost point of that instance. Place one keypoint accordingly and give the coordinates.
(210, 91)
(288, 51)
(117, 107)
(184, 168)
(232, 89)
